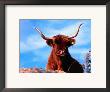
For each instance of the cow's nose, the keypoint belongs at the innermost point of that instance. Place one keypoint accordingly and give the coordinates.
(60, 52)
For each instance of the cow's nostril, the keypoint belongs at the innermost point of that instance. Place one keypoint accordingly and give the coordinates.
(60, 51)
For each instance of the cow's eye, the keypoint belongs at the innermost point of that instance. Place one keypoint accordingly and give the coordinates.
(56, 41)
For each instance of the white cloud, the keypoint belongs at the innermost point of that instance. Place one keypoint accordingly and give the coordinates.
(69, 30)
(31, 43)
(78, 50)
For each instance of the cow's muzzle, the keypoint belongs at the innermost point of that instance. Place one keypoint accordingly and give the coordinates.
(60, 53)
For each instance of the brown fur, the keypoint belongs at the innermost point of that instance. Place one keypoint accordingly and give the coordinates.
(60, 59)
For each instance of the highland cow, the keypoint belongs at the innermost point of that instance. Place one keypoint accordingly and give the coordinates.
(60, 58)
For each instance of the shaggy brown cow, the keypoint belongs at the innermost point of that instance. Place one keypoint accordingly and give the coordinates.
(60, 59)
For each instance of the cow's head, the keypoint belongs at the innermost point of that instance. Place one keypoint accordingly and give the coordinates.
(60, 43)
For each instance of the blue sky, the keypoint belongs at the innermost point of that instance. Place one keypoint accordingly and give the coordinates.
(34, 51)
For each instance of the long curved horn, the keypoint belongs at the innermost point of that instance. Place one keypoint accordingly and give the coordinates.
(77, 31)
(42, 35)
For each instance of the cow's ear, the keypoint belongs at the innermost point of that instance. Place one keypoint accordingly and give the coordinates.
(49, 42)
(73, 41)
